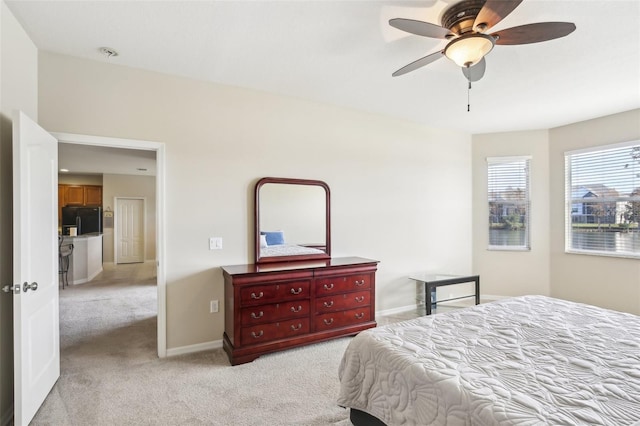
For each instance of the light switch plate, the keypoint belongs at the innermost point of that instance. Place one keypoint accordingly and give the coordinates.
(215, 243)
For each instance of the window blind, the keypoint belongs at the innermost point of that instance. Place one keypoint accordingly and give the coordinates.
(603, 200)
(509, 202)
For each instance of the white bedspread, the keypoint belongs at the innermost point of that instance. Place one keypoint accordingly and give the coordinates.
(528, 361)
(287, 250)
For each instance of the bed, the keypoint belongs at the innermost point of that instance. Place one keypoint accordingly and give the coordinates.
(528, 360)
(288, 250)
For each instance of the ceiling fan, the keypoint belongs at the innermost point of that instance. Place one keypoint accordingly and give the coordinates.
(464, 24)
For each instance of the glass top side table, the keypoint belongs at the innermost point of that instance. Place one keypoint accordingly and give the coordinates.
(433, 280)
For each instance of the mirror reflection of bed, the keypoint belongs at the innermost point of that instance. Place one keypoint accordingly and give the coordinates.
(292, 220)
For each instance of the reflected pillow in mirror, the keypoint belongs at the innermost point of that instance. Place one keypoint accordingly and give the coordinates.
(273, 237)
(263, 241)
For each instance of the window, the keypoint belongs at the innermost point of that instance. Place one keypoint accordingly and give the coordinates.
(603, 200)
(508, 191)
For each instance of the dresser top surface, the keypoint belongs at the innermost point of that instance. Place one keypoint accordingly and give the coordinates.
(293, 266)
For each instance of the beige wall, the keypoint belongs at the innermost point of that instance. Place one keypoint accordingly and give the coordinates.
(78, 179)
(512, 273)
(400, 191)
(130, 186)
(604, 281)
(18, 90)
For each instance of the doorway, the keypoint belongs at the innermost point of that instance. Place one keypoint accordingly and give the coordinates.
(159, 149)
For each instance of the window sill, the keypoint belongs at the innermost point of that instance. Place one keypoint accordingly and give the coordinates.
(508, 248)
(604, 254)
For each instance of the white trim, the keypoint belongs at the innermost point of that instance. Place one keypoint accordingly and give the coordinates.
(86, 280)
(618, 254)
(508, 248)
(198, 347)
(491, 297)
(604, 147)
(508, 159)
(399, 310)
(159, 148)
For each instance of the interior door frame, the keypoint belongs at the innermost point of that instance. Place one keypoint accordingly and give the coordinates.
(117, 226)
(159, 149)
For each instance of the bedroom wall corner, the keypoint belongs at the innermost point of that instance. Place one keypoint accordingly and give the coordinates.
(512, 273)
(608, 282)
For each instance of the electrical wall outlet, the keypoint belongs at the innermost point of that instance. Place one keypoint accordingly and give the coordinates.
(215, 243)
(213, 306)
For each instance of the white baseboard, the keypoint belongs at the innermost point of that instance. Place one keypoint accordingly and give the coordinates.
(487, 297)
(198, 347)
(396, 310)
(217, 344)
(6, 418)
(494, 297)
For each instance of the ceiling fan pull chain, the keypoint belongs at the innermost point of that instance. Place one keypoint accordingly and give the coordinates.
(468, 97)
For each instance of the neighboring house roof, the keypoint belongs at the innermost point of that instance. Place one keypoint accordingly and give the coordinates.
(597, 190)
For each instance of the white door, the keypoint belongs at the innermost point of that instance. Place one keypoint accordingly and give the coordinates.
(36, 332)
(129, 224)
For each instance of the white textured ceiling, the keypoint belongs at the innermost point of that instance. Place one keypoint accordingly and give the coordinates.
(343, 53)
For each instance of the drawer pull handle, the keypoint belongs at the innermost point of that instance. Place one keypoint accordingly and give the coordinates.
(328, 286)
(259, 296)
(293, 290)
(255, 336)
(296, 328)
(328, 321)
(295, 310)
(360, 315)
(360, 283)
(360, 299)
(328, 304)
(254, 316)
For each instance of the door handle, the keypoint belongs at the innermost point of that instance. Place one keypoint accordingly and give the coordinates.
(26, 286)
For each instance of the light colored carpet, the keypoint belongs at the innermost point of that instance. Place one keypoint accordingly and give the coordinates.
(110, 374)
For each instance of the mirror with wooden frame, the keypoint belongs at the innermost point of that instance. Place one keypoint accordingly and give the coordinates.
(292, 220)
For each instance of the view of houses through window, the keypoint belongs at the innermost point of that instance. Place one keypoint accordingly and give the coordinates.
(603, 200)
(508, 191)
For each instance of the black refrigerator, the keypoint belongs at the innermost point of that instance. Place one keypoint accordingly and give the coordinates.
(87, 220)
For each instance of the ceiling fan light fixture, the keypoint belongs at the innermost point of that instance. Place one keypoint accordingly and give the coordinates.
(468, 50)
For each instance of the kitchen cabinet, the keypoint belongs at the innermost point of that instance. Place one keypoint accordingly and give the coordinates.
(93, 195)
(86, 261)
(80, 195)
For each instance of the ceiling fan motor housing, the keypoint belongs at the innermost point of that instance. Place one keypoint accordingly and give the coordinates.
(460, 17)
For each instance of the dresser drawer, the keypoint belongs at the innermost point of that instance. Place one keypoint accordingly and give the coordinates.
(341, 284)
(278, 330)
(275, 312)
(260, 294)
(340, 302)
(342, 318)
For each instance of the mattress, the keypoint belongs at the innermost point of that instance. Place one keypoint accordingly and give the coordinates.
(288, 250)
(524, 361)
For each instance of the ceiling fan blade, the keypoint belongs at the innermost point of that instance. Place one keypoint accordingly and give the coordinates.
(534, 33)
(495, 11)
(475, 72)
(419, 63)
(419, 28)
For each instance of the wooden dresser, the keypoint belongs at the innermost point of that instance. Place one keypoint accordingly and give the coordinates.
(277, 306)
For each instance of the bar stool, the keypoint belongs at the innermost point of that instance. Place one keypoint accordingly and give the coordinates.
(64, 253)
